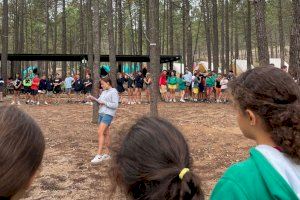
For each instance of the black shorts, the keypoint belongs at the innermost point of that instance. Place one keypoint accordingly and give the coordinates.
(56, 91)
(87, 91)
(34, 92)
(27, 90)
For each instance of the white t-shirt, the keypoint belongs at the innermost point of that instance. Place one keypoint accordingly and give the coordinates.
(224, 83)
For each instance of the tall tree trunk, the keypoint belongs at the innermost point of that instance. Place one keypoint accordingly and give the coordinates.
(295, 42)
(81, 36)
(96, 59)
(248, 36)
(21, 33)
(140, 29)
(231, 39)
(227, 50)
(271, 44)
(111, 40)
(215, 34)
(90, 34)
(189, 37)
(55, 37)
(132, 43)
(47, 34)
(281, 33)
(120, 27)
(147, 25)
(261, 33)
(15, 65)
(163, 27)
(236, 43)
(184, 27)
(4, 37)
(171, 28)
(64, 38)
(154, 54)
(206, 17)
(223, 36)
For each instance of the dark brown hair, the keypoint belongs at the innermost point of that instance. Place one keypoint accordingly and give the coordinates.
(149, 161)
(22, 147)
(106, 79)
(274, 96)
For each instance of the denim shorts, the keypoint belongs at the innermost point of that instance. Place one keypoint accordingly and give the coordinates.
(105, 119)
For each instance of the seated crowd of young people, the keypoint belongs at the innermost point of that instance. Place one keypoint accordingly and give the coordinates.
(153, 160)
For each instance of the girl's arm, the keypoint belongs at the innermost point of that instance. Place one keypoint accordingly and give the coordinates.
(95, 99)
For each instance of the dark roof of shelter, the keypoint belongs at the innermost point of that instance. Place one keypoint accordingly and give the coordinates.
(80, 57)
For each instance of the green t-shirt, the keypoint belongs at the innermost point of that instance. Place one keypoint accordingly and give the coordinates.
(181, 83)
(254, 178)
(27, 82)
(210, 81)
(172, 80)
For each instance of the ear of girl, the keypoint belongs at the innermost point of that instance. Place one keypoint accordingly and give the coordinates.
(268, 102)
(153, 162)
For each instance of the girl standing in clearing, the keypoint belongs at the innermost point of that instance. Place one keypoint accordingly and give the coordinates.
(109, 102)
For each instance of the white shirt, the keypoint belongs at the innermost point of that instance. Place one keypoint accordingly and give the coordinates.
(284, 165)
(224, 83)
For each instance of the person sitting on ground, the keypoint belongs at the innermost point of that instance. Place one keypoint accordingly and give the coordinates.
(22, 147)
(35, 89)
(1, 89)
(69, 80)
(162, 82)
(154, 162)
(88, 87)
(172, 85)
(268, 108)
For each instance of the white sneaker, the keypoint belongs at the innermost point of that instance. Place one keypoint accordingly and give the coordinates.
(195, 100)
(106, 157)
(13, 103)
(182, 100)
(174, 100)
(139, 102)
(91, 103)
(19, 103)
(46, 103)
(129, 103)
(170, 100)
(38, 103)
(99, 158)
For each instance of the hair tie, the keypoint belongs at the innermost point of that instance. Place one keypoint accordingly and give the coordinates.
(183, 172)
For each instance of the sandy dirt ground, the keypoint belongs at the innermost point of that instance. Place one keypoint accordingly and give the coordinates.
(210, 129)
